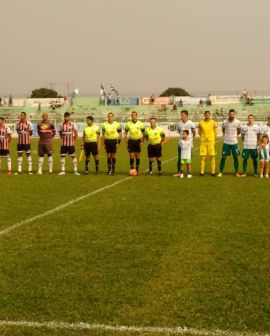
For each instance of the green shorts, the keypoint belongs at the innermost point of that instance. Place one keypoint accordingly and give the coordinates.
(227, 150)
(185, 161)
(253, 153)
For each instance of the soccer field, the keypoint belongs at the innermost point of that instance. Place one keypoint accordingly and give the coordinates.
(146, 251)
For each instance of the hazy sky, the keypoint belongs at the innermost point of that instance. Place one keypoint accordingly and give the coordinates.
(136, 45)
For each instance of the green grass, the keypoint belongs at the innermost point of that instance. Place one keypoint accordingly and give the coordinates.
(151, 251)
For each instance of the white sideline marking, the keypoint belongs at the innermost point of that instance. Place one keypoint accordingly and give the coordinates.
(124, 329)
(68, 203)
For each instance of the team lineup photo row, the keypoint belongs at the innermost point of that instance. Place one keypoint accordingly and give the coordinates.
(255, 143)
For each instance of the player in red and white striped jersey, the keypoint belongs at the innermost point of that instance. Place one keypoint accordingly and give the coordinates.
(5, 138)
(68, 134)
(24, 129)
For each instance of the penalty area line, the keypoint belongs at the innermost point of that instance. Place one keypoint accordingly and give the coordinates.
(54, 325)
(66, 204)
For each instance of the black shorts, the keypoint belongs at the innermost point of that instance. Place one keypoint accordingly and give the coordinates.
(154, 150)
(67, 150)
(4, 152)
(90, 148)
(134, 146)
(23, 148)
(110, 145)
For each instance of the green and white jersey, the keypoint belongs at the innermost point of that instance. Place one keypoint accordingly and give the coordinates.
(135, 130)
(154, 135)
(264, 153)
(186, 148)
(250, 134)
(230, 131)
(185, 126)
(111, 131)
(265, 130)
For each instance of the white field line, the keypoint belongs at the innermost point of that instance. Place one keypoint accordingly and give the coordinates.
(68, 203)
(126, 329)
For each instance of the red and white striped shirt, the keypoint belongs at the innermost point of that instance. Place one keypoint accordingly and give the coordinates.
(24, 130)
(4, 137)
(67, 132)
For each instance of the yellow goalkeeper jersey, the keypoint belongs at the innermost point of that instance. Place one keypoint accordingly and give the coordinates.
(208, 130)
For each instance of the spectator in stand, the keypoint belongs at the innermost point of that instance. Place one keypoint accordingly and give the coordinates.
(71, 102)
(5, 100)
(245, 96)
(10, 100)
(174, 107)
(163, 108)
(200, 103)
(109, 99)
(181, 103)
(208, 101)
(0, 101)
(152, 99)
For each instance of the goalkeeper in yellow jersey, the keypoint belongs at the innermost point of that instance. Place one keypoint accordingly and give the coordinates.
(208, 132)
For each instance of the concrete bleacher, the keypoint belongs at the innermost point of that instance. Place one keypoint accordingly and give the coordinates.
(90, 106)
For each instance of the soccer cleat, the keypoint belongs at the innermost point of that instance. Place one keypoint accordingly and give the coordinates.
(159, 173)
(244, 175)
(39, 172)
(219, 175)
(237, 174)
(112, 172)
(109, 172)
(177, 175)
(30, 172)
(77, 173)
(266, 176)
(189, 176)
(214, 174)
(201, 174)
(150, 173)
(9, 172)
(256, 175)
(261, 176)
(62, 173)
(181, 175)
(17, 173)
(86, 172)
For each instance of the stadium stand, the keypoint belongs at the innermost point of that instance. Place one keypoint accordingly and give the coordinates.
(84, 106)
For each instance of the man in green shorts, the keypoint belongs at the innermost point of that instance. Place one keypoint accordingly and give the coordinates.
(250, 134)
(231, 128)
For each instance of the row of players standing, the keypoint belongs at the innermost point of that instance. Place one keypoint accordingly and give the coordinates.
(251, 134)
(134, 136)
(91, 142)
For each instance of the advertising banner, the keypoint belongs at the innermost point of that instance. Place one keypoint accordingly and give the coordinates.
(45, 102)
(264, 100)
(157, 101)
(129, 101)
(186, 100)
(225, 99)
